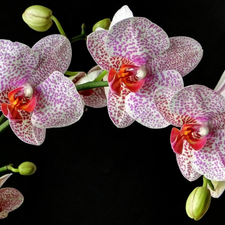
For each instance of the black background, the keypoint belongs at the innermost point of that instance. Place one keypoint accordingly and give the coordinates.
(92, 172)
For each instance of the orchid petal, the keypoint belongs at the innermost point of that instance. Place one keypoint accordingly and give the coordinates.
(136, 39)
(210, 160)
(176, 140)
(10, 199)
(59, 103)
(54, 55)
(96, 47)
(116, 108)
(219, 187)
(141, 105)
(26, 132)
(4, 178)
(198, 102)
(183, 55)
(220, 87)
(185, 161)
(17, 63)
(121, 14)
(162, 97)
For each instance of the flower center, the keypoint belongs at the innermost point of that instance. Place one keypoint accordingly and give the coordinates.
(194, 134)
(21, 98)
(130, 75)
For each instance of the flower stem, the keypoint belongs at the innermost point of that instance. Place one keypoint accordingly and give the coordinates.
(58, 25)
(206, 181)
(2, 119)
(82, 36)
(3, 169)
(4, 125)
(91, 85)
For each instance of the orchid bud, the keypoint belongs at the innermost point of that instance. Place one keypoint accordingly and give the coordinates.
(198, 203)
(38, 17)
(105, 23)
(27, 168)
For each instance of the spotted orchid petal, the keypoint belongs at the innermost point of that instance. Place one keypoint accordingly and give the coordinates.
(54, 53)
(183, 55)
(185, 160)
(162, 98)
(26, 131)
(17, 63)
(121, 14)
(96, 47)
(198, 102)
(136, 39)
(141, 105)
(219, 187)
(116, 108)
(59, 103)
(10, 199)
(210, 161)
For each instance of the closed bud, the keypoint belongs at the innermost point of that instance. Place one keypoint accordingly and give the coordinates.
(27, 168)
(105, 23)
(38, 17)
(198, 203)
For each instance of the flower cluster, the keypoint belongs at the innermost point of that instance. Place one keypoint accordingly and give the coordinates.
(138, 77)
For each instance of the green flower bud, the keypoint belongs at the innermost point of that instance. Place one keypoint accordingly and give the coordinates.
(27, 168)
(38, 17)
(198, 203)
(103, 24)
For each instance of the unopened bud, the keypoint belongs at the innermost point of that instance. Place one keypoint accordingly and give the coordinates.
(27, 168)
(105, 23)
(198, 203)
(38, 17)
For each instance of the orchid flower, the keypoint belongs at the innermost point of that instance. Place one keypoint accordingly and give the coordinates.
(94, 98)
(199, 144)
(136, 51)
(10, 198)
(34, 93)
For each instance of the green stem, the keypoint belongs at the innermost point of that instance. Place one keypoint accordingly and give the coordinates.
(209, 182)
(4, 125)
(9, 167)
(91, 85)
(2, 119)
(82, 36)
(58, 25)
(100, 77)
(71, 73)
(3, 169)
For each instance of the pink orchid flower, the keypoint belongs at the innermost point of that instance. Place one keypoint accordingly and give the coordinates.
(34, 93)
(10, 198)
(94, 98)
(136, 51)
(199, 144)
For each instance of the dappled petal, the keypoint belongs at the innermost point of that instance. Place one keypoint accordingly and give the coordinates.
(17, 63)
(141, 105)
(116, 108)
(162, 97)
(121, 14)
(10, 199)
(183, 55)
(27, 132)
(59, 103)
(210, 161)
(185, 161)
(136, 39)
(54, 55)
(198, 102)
